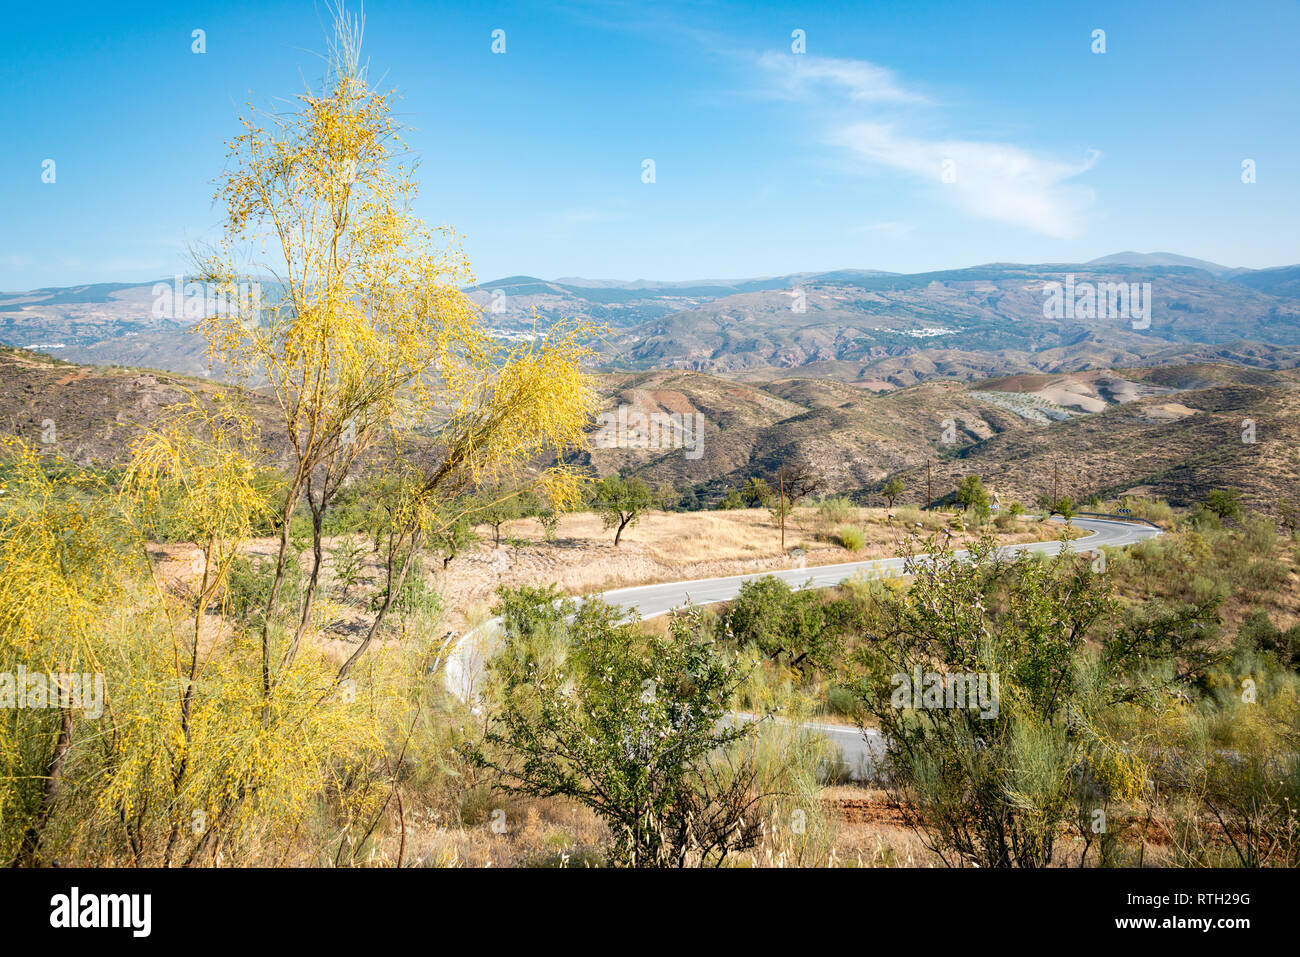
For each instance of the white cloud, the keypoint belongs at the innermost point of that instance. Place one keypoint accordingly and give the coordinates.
(797, 75)
(994, 181)
(1001, 182)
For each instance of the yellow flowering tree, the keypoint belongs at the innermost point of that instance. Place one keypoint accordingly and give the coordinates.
(62, 561)
(234, 737)
(363, 334)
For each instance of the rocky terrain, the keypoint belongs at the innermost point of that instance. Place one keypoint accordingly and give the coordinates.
(875, 329)
(1176, 431)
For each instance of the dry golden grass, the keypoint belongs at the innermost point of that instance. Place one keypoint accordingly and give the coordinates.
(513, 832)
(661, 547)
(671, 546)
(736, 534)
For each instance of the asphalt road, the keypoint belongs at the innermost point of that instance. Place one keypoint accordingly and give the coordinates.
(472, 651)
(654, 600)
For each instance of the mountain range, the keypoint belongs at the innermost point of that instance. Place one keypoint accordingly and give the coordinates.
(875, 329)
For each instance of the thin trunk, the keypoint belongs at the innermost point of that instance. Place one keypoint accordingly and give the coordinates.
(187, 701)
(271, 601)
(27, 854)
(317, 521)
(395, 581)
(782, 481)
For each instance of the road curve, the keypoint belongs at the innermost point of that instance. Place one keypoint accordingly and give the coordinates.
(654, 600)
(467, 659)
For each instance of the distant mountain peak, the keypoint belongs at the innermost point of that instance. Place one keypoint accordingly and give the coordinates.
(1131, 258)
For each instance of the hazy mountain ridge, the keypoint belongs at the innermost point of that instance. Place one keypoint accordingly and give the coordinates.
(880, 329)
(982, 310)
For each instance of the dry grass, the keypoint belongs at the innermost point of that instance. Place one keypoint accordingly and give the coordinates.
(671, 546)
(662, 547)
(553, 832)
(537, 832)
(739, 534)
(513, 832)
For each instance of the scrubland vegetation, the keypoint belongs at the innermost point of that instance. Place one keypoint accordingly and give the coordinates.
(275, 693)
(1146, 714)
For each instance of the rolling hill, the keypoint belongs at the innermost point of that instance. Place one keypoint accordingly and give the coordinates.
(1176, 430)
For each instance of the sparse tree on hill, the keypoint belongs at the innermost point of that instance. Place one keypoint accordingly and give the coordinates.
(453, 538)
(498, 506)
(1225, 503)
(621, 502)
(731, 501)
(667, 498)
(756, 493)
(891, 490)
(794, 481)
(972, 495)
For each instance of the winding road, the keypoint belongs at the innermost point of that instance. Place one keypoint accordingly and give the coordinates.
(466, 661)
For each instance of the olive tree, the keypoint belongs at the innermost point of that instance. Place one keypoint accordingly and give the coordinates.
(633, 726)
(621, 502)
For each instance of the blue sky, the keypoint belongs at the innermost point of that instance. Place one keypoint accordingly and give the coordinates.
(766, 161)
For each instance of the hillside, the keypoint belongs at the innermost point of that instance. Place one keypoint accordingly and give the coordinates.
(878, 329)
(1174, 431)
(90, 415)
(983, 320)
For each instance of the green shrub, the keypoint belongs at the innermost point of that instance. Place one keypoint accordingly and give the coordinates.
(1150, 552)
(733, 500)
(633, 727)
(1261, 535)
(347, 561)
(414, 595)
(1157, 511)
(1225, 503)
(1258, 634)
(1203, 589)
(908, 515)
(911, 516)
(841, 701)
(852, 538)
(529, 609)
(778, 620)
(973, 496)
(249, 585)
(836, 510)
(1265, 574)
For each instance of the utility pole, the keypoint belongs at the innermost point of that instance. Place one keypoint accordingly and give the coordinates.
(781, 479)
(1055, 497)
(929, 493)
